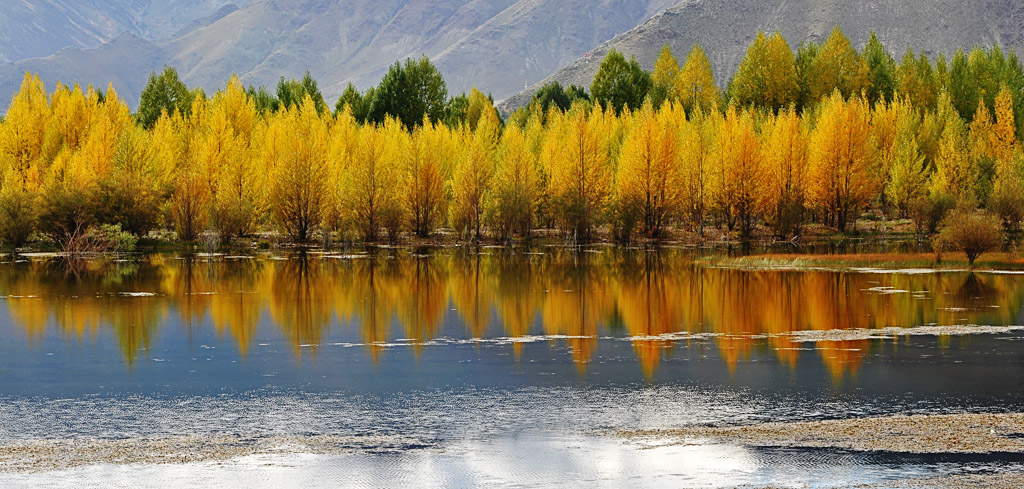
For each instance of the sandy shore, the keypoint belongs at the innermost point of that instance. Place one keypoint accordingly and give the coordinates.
(47, 455)
(926, 434)
(956, 433)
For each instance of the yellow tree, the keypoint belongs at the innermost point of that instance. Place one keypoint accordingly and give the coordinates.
(1004, 138)
(299, 170)
(74, 189)
(663, 78)
(370, 184)
(239, 201)
(471, 177)
(23, 131)
(837, 67)
(1007, 199)
(177, 142)
(896, 125)
(344, 142)
(426, 174)
(735, 176)
(695, 85)
(766, 77)
(21, 144)
(954, 174)
(784, 161)
(698, 138)
(577, 162)
(68, 124)
(647, 183)
(131, 193)
(514, 190)
(907, 173)
(479, 107)
(842, 169)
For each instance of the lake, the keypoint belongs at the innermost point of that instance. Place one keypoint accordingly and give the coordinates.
(493, 366)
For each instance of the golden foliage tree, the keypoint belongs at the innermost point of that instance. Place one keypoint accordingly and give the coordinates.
(784, 161)
(698, 147)
(471, 177)
(837, 67)
(736, 173)
(647, 185)
(297, 161)
(576, 158)
(842, 171)
(426, 174)
(514, 191)
(239, 202)
(695, 85)
(766, 77)
(372, 177)
(663, 78)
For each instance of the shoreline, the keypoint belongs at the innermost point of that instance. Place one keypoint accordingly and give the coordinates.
(911, 434)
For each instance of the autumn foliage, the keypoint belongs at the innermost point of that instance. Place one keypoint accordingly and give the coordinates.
(821, 134)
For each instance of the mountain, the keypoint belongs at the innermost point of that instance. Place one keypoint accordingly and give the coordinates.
(726, 27)
(499, 46)
(37, 28)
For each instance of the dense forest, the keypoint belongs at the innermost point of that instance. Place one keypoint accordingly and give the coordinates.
(818, 134)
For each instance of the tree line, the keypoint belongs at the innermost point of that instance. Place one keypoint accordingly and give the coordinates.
(819, 134)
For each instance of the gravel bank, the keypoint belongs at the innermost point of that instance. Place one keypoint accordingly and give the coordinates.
(958, 433)
(46, 455)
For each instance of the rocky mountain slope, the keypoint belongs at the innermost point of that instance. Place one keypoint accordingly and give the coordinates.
(36, 28)
(726, 27)
(499, 46)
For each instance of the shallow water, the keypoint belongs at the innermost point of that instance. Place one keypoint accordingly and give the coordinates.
(501, 368)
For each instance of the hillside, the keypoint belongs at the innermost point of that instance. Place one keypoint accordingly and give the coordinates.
(726, 27)
(497, 45)
(37, 28)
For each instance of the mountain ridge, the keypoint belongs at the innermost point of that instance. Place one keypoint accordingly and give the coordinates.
(725, 28)
(491, 44)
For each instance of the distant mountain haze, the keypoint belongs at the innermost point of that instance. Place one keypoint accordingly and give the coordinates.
(500, 46)
(726, 27)
(37, 28)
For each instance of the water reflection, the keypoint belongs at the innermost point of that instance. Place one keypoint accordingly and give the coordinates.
(657, 301)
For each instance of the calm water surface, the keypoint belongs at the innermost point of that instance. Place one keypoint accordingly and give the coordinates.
(498, 368)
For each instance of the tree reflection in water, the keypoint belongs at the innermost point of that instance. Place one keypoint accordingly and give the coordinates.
(659, 301)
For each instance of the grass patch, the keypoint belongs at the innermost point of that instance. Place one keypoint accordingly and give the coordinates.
(948, 261)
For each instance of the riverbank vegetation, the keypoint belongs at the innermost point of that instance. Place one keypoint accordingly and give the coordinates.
(823, 134)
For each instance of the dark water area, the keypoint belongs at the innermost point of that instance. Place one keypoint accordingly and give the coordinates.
(522, 355)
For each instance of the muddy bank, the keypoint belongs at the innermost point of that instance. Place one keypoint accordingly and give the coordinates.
(958, 433)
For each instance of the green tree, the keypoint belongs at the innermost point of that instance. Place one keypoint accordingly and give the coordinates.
(163, 93)
(619, 84)
(293, 92)
(264, 101)
(881, 71)
(554, 94)
(963, 92)
(805, 56)
(357, 103)
(409, 92)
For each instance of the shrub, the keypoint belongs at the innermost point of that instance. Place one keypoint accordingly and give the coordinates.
(17, 216)
(972, 232)
(112, 238)
(928, 212)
